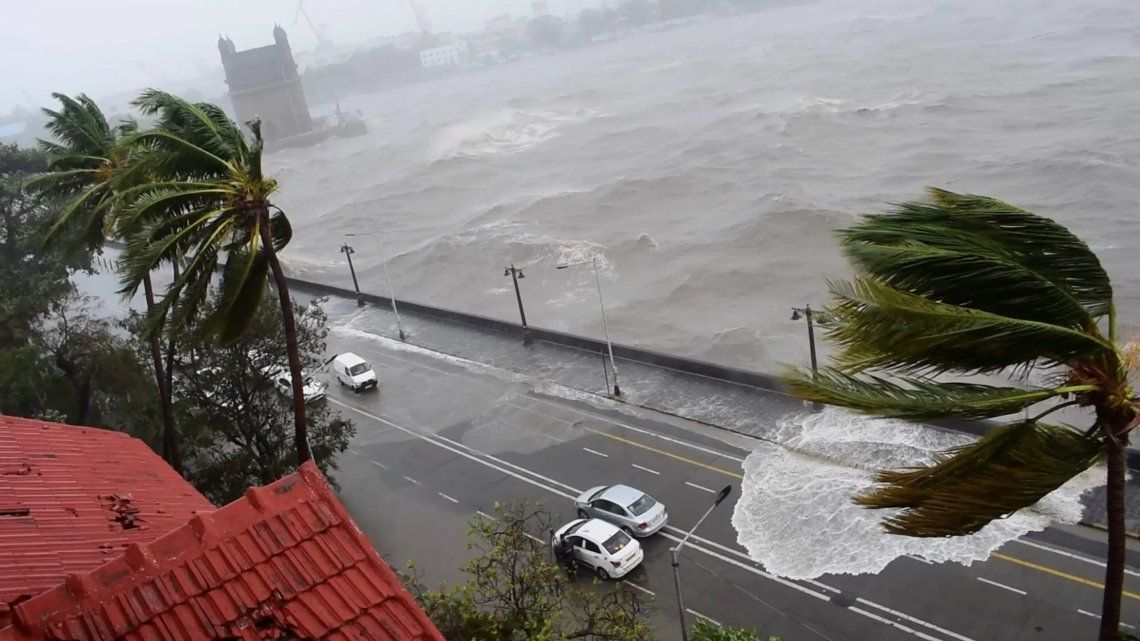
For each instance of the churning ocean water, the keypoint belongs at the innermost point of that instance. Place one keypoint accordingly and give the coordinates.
(706, 166)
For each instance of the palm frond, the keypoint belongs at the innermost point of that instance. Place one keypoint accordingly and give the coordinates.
(880, 326)
(242, 292)
(1011, 468)
(916, 398)
(280, 229)
(993, 234)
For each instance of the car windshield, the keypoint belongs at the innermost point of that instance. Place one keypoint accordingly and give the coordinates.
(574, 528)
(359, 368)
(617, 542)
(642, 505)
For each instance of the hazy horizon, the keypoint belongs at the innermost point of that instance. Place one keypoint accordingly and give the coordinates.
(73, 46)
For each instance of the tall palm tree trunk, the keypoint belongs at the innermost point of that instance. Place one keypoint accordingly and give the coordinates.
(170, 449)
(1114, 566)
(301, 434)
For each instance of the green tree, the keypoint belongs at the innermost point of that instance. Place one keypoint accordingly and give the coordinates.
(32, 279)
(208, 200)
(85, 166)
(238, 423)
(971, 285)
(517, 592)
(704, 631)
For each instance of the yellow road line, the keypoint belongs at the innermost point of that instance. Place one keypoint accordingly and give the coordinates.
(1063, 575)
(999, 555)
(664, 453)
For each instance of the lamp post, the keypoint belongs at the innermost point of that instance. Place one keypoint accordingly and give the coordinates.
(515, 273)
(721, 496)
(348, 251)
(605, 323)
(391, 288)
(807, 313)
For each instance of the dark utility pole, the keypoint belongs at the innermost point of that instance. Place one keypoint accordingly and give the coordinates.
(515, 274)
(348, 251)
(806, 313)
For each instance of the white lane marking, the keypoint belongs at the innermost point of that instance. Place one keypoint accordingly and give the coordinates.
(639, 430)
(700, 487)
(822, 586)
(701, 616)
(533, 537)
(413, 480)
(1077, 557)
(447, 497)
(919, 559)
(664, 532)
(1002, 586)
(1089, 614)
(484, 515)
(893, 624)
(596, 452)
(638, 587)
(380, 465)
(646, 469)
(903, 615)
(352, 451)
(1127, 625)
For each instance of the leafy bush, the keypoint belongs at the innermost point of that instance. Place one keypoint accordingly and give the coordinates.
(704, 631)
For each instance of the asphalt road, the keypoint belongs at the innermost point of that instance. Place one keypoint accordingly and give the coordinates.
(442, 442)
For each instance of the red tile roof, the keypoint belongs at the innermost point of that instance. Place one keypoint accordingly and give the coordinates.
(284, 562)
(73, 498)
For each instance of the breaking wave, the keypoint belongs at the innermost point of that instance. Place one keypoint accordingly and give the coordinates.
(795, 514)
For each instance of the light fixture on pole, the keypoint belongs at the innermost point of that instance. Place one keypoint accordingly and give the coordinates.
(808, 313)
(721, 496)
(605, 323)
(348, 251)
(515, 273)
(387, 277)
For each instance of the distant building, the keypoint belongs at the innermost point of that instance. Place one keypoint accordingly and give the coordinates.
(264, 82)
(452, 55)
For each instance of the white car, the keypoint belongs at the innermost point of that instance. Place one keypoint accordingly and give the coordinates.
(353, 371)
(314, 390)
(601, 546)
(628, 508)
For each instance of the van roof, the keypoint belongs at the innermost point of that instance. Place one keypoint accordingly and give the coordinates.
(349, 359)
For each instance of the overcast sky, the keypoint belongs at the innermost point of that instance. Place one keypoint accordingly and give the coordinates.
(106, 46)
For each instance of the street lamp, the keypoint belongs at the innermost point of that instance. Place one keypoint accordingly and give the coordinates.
(515, 273)
(807, 312)
(605, 323)
(348, 251)
(387, 277)
(721, 496)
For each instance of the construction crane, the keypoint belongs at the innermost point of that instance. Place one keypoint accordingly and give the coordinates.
(422, 21)
(323, 39)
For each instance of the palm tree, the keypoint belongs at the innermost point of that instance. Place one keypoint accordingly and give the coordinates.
(970, 285)
(209, 200)
(84, 169)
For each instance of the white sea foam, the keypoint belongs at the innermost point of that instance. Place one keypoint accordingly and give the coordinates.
(795, 513)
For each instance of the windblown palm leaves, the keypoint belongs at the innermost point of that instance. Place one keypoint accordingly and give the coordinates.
(205, 203)
(965, 285)
(208, 203)
(84, 161)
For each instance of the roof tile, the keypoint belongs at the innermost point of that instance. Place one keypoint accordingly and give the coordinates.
(286, 558)
(73, 498)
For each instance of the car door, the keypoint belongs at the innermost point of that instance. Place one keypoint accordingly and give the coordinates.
(588, 552)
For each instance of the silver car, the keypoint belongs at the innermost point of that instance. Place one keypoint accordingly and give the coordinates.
(630, 509)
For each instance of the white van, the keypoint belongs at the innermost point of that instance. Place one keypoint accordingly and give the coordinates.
(353, 371)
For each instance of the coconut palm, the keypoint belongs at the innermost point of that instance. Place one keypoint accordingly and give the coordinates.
(85, 162)
(968, 285)
(208, 204)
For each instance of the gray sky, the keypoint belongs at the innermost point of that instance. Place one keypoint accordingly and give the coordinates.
(105, 46)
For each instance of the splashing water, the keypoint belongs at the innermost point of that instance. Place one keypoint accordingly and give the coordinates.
(795, 514)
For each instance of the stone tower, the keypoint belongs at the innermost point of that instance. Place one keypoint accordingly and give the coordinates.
(264, 82)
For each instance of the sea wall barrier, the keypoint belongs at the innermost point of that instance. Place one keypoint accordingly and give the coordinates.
(758, 380)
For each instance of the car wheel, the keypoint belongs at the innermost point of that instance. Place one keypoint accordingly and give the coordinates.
(602, 573)
(627, 530)
(582, 514)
